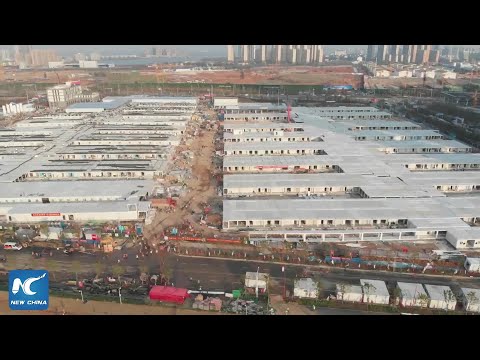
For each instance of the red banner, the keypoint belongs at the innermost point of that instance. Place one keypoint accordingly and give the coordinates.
(46, 214)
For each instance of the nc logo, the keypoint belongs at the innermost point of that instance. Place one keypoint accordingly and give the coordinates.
(25, 286)
(28, 289)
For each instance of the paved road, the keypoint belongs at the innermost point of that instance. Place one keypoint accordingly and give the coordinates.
(335, 311)
(218, 274)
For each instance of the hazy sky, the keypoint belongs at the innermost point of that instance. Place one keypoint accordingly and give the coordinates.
(207, 50)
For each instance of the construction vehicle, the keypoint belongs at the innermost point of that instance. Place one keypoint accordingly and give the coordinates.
(171, 202)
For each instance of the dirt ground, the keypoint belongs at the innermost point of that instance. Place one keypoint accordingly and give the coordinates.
(76, 307)
(282, 308)
(201, 188)
(338, 74)
(264, 75)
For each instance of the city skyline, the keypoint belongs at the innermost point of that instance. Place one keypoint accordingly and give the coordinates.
(194, 50)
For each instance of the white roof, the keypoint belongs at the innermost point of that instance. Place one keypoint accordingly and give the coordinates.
(74, 207)
(411, 290)
(379, 287)
(306, 284)
(350, 289)
(466, 291)
(253, 276)
(57, 189)
(429, 144)
(270, 145)
(428, 208)
(437, 292)
(473, 260)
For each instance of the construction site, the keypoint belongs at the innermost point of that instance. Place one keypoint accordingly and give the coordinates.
(148, 161)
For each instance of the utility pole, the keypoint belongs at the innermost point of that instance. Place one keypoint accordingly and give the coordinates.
(256, 283)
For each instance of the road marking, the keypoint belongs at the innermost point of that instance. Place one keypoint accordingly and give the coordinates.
(204, 264)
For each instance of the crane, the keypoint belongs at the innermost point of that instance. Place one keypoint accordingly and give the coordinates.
(58, 77)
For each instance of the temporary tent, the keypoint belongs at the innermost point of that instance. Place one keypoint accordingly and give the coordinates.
(169, 294)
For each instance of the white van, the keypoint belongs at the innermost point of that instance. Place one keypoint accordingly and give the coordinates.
(12, 246)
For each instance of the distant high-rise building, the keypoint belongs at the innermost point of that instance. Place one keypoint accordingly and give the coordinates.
(434, 56)
(372, 52)
(251, 53)
(292, 55)
(230, 54)
(41, 57)
(413, 54)
(245, 53)
(320, 54)
(405, 54)
(382, 54)
(22, 54)
(463, 55)
(308, 54)
(5, 54)
(263, 53)
(95, 56)
(278, 54)
(395, 53)
(420, 56)
(426, 53)
(82, 57)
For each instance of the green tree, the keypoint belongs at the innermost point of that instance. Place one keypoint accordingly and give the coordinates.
(319, 289)
(167, 274)
(423, 299)
(368, 289)
(144, 270)
(449, 297)
(99, 269)
(472, 300)
(343, 289)
(76, 268)
(52, 266)
(397, 295)
(118, 271)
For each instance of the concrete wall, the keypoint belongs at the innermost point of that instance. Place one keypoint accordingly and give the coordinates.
(220, 103)
(441, 304)
(376, 299)
(98, 216)
(475, 267)
(305, 294)
(145, 174)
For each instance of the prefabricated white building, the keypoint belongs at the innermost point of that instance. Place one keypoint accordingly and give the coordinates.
(305, 288)
(472, 264)
(441, 297)
(411, 294)
(375, 291)
(471, 299)
(253, 279)
(351, 293)
(222, 102)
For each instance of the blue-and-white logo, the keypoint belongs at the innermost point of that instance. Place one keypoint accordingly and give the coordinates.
(28, 289)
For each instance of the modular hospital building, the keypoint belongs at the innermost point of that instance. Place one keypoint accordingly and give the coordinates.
(348, 179)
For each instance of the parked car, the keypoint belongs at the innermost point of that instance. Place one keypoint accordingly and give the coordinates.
(12, 246)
